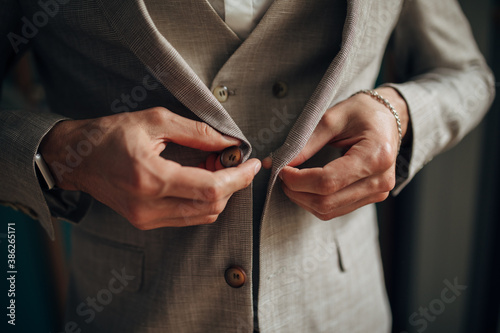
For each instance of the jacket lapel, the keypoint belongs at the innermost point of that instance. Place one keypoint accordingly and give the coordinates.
(133, 24)
(328, 89)
(330, 85)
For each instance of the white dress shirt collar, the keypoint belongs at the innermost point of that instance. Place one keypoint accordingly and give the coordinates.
(242, 16)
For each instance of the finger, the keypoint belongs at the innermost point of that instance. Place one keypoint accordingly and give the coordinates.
(195, 183)
(353, 206)
(170, 207)
(325, 204)
(210, 162)
(187, 222)
(177, 222)
(331, 178)
(194, 134)
(303, 180)
(340, 211)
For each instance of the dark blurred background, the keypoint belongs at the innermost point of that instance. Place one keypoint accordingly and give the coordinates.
(441, 230)
(444, 227)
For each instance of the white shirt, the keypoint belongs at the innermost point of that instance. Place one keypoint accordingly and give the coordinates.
(242, 16)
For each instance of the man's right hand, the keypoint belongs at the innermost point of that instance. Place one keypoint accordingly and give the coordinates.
(116, 159)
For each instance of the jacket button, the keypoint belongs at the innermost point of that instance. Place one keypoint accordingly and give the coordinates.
(231, 157)
(280, 89)
(221, 93)
(235, 276)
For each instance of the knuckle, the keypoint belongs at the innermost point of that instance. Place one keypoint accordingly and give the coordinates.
(384, 158)
(212, 219)
(323, 217)
(217, 207)
(388, 183)
(322, 206)
(203, 129)
(158, 114)
(327, 120)
(137, 218)
(209, 219)
(213, 192)
(142, 226)
(381, 196)
(383, 183)
(327, 185)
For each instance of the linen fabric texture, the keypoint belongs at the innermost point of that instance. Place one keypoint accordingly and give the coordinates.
(314, 276)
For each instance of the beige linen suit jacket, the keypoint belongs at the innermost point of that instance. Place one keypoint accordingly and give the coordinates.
(313, 276)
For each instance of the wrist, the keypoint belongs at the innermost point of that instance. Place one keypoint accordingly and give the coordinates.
(55, 148)
(399, 103)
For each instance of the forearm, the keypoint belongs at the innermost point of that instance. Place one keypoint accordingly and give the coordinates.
(446, 82)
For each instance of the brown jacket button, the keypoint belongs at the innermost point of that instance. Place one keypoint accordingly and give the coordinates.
(235, 276)
(231, 157)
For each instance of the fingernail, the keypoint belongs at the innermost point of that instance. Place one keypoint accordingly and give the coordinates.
(257, 168)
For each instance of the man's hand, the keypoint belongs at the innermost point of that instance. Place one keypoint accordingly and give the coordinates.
(366, 130)
(125, 171)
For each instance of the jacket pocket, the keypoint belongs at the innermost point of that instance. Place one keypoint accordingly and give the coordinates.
(356, 237)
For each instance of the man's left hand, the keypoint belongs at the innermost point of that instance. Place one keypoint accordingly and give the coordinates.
(366, 130)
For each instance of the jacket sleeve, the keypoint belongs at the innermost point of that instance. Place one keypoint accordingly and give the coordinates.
(20, 134)
(447, 84)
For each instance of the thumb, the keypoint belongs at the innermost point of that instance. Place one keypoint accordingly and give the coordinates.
(195, 134)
